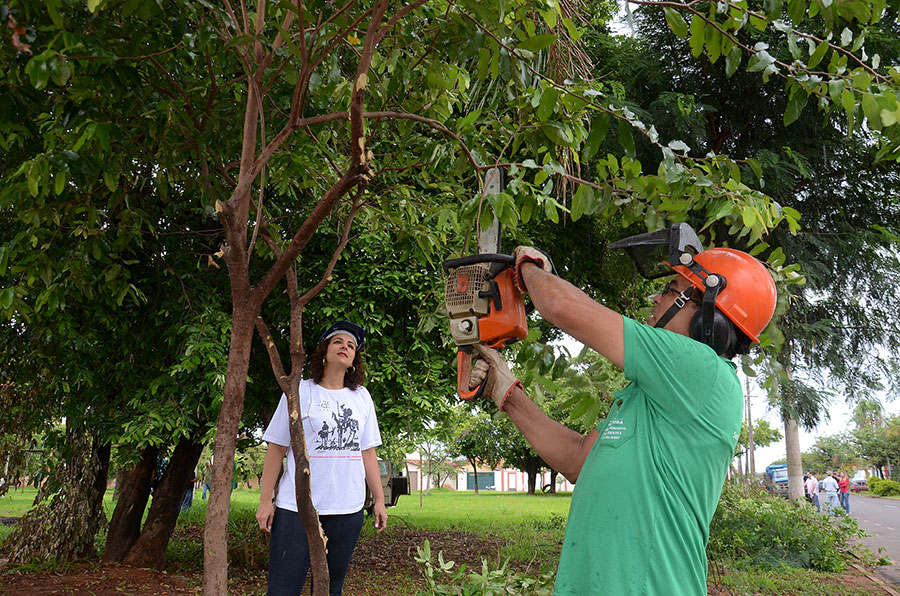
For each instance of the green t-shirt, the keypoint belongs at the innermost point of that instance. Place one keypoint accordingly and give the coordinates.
(640, 513)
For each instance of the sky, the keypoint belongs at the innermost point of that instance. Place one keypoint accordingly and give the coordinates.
(840, 421)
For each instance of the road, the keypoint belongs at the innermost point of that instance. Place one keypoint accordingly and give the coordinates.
(881, 519)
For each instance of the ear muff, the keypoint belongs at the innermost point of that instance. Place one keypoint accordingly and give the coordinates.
(718, 334)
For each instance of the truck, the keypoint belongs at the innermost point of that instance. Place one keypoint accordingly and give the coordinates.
(777, 479)
(392, 483)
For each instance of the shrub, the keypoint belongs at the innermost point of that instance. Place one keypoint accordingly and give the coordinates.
(884, 488)
(441, 579)
(753, 528)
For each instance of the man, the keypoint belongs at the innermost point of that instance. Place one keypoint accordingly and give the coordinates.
(830, 484)
(650, 475)
(812, 489)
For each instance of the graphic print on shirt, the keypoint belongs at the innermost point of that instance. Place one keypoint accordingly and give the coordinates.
(619, 427)
(342, 434)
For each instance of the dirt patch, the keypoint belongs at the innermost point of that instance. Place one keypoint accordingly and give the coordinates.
(383, 565)
(92, 578)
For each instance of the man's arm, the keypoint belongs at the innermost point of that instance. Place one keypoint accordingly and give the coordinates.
(576, 313)
(562, 448)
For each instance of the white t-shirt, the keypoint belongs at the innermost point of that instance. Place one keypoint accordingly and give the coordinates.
(830, 484)
(339, 425)
(812, 486)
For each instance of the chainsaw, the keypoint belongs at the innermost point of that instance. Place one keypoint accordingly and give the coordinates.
(484, 307)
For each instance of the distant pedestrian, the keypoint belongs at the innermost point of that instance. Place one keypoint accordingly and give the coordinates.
(830, 484)
(844, 492)
(207, 479)
(188, 500)
(812, 489)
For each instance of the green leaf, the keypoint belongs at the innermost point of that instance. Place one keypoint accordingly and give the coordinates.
(599, 127)
(848, 102)
(537, 43)
(872, 111)
(733, 60)
(862, 80)
(59, 182)
(550, 210)
(38, 72)
(53, 7)
(795, 107)
(676, 22)
(625, 138)
(749, 216)
(754, 165)
(774, 8)
(468, 120)
(110, 179)
(6, 297)
(33, 177)
(796, 10)
(557, 133)
(713, 44)
(92, 5)
(548, 104)
(698, 35)
(818, 55)
(473, 47)
(759, 61)
(582, 202)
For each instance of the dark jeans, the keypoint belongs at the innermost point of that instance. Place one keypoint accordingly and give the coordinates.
(289, 551)
(845, 501)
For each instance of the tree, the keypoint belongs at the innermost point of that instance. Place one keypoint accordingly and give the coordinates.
(763, 436)
(478, 440)
(832, 454)
(363, 64)
(878, 446)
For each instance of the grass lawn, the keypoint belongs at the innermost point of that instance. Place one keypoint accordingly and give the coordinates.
(525, 530)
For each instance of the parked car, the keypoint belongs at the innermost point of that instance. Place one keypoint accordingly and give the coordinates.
(859, 485)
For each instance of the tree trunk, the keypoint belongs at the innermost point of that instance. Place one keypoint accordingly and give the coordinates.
(150, 548)
(475, 472)
(532, 468)
(102, 452)
(795, 464)
(121, 477)
(125, 525)
(309, 517)
(553, 475)
(215, 535)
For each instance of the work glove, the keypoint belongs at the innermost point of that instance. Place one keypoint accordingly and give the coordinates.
(500, 381)
(528, 254)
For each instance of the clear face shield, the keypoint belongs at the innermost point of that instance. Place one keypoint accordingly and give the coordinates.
(654, 253)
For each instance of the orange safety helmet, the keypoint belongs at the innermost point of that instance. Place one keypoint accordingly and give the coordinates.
(731, 285)
(748, 297)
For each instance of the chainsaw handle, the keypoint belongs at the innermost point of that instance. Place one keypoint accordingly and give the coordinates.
(506, 260)
(463, 370)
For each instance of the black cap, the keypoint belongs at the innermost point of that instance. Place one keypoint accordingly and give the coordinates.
(358, 333)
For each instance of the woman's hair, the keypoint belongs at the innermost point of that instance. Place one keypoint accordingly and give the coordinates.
(352, 380)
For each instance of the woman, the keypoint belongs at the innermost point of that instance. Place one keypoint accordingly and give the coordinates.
(341, 435)
(844, 494)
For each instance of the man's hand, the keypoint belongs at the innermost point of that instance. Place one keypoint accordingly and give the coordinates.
(528, 254)
(500, 381)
